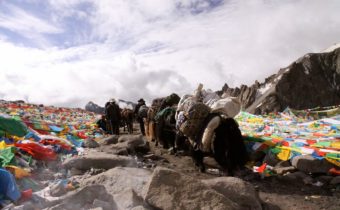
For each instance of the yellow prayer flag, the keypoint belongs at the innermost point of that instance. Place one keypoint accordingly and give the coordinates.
(284, 154)
(19, 172)
(3, 145)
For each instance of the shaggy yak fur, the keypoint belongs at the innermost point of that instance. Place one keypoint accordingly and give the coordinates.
(127, 120)
(165, 127)
(228, 149)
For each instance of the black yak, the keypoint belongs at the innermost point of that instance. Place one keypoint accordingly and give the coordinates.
(227, 146)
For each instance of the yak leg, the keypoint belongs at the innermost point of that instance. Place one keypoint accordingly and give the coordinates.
(198, 156)
(130, 127)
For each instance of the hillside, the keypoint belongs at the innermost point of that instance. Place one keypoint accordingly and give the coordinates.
(311, 81)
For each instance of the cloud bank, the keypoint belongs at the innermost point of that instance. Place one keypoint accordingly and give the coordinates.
(66, 53)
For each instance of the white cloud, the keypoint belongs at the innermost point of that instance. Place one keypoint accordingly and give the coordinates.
(20, 21)
(56, 78)
(153, 48)
(27, 25)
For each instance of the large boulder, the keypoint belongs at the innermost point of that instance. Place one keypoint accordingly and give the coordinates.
(129, 144)
(112, 139)
(128, 199)
(236, 190)
(169, 189)
(82, 198)
(309, 164)
(98, 161)
(119, 179)
(88, 194)
(90, 143)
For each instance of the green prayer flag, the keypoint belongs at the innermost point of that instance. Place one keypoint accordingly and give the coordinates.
(7, 156)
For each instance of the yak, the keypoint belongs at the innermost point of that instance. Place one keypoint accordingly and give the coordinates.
(127, 116)
(227, 147)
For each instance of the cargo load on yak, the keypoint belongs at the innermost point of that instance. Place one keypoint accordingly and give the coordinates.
(169, 101)
(155, 105)
(161, 119)
(191, 113)
(208, 123)
(164, 116)
(159, 104)
(194, 109)
(161, 108)
(229, 107)
(193, 119)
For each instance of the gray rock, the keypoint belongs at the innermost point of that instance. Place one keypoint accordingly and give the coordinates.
(309, 164)
(57, 189)
(127, 199)
(103, 204)
(99, 161)
(89, 194)
(90, 143)
(59, 175)
(118, 179)
(139, 208)
(130, 144)
(283, 170)
(283, 164)
(297, 176)
(25, 206)
(153, 157)
(237, 190)
(75, 172)
(308, 180)
(81, 198)
(109, 140)
(169, 189)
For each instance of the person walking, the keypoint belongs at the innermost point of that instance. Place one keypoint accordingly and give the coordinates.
(113, 117)
(139, 115)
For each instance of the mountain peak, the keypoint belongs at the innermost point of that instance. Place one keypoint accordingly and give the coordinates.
(311, 81)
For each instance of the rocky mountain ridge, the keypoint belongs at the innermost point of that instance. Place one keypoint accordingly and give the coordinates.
(311, 81)
(93, 107)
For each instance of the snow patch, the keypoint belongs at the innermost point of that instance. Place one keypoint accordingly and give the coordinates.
(124, 105)
(265, 88)
(262, 90)
(332, 48)
(259, 105)
(278, 78)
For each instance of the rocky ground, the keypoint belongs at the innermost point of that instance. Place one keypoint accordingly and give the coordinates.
(277, 192)
(127, 172)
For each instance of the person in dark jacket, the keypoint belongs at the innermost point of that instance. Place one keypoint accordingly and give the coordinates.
(139, 118)
(112, 114)
(102, 124)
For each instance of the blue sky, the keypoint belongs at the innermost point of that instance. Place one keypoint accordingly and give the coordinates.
(68, 52)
